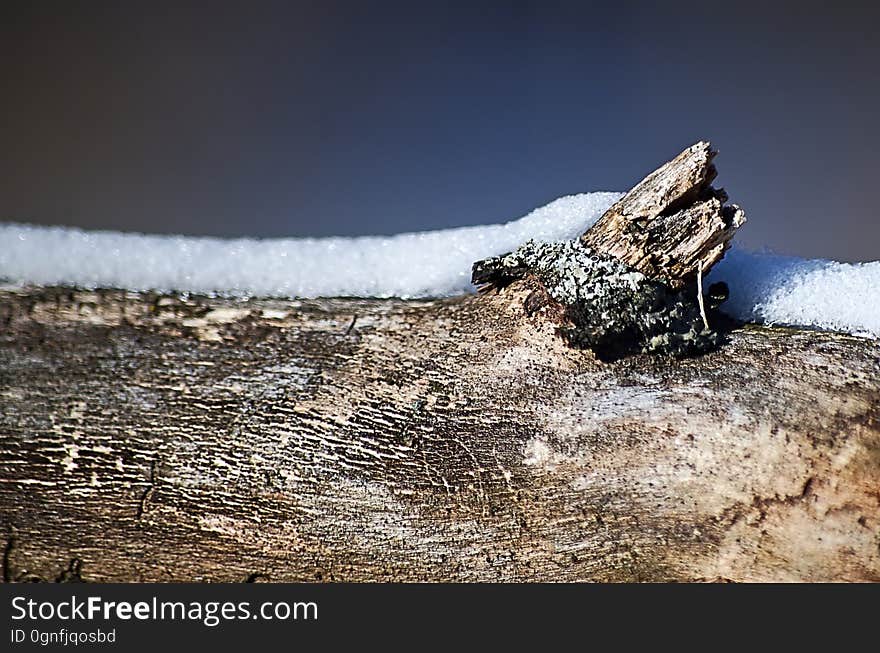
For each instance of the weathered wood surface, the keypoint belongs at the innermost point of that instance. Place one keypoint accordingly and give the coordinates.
(148, 437)
(169, 438)
(633, 281)
(673, 222)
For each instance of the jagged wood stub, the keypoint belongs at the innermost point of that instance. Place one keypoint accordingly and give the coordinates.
(632, 282)
(165, 438)
(672, 221)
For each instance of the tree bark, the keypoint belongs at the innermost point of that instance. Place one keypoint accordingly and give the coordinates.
(174, 438)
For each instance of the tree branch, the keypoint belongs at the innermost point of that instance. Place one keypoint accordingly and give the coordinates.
(185, 438)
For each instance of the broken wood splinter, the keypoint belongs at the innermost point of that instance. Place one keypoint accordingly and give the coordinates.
(624, 284)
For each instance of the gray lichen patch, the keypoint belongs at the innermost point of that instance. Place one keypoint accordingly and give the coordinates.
(610, 307)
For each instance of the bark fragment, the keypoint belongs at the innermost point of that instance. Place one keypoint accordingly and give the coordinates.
(608, 307)
(671, 221)
(631, 282)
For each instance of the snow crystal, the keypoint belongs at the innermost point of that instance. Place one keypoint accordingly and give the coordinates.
(801, 292)
(763, 287)
(433, 263)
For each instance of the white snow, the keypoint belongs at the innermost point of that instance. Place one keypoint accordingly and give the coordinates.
(433, 263)
(763, 287)
(802, 292)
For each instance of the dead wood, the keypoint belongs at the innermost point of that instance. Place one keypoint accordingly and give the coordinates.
(180, 438)
(672, 222)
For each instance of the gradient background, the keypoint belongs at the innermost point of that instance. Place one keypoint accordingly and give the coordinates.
(320, 118)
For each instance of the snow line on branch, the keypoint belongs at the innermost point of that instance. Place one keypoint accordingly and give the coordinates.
(763, 287)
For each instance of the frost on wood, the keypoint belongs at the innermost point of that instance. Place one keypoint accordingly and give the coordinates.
(672, 222)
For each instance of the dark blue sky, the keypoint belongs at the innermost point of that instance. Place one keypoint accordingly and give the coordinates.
(320, 118)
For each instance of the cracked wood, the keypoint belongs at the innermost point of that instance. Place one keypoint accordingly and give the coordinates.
(170, 438)
(673, 224)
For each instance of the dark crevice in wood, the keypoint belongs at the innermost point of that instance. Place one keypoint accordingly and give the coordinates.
(7, 556)
(147, 493)
(72, 574)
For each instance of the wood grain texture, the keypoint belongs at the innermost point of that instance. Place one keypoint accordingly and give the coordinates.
(170, 438)
(672, 222)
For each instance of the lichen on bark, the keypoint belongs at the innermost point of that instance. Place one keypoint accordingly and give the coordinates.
(609, 307)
